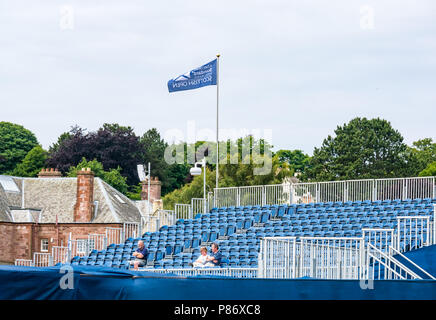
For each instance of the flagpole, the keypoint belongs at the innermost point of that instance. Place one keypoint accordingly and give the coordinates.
(217, 100)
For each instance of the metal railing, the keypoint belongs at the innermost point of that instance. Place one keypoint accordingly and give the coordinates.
(24, 262)
(348, 190)
(192, 272)
(97, 242)
(330, 258)
(131, 230)
(382, 266)
(394, 252)
(113, 235)
(413, 232)
(59, 254)
(277, 257)
(382, 239)
(183, 211)
(42, 259)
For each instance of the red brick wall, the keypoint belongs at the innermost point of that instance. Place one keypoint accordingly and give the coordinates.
(84, 208)
(21, 240)
(155, 189)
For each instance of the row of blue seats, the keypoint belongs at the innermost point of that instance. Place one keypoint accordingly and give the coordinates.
(331, 204)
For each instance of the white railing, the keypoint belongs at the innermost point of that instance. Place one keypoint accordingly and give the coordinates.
(349, 190)
(78, 247)
(382, 239)
(198, 205)
(183, 211)
(413, 232)
(382, 266)
(42, 259)
(226, 197)
(394, 252)
(368, 257)
(130, 230)
(192, 272)
(277, 257)
(330, 258)
(97, 242)
(112, 235)
(60, 254)
(24, 262)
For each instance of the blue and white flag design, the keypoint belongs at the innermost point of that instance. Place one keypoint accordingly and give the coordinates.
(197, 78)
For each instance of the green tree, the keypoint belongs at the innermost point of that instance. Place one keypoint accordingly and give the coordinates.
(32, 163)
(113, 176)
(240, 170)
(192, 190)
(361, 149)
(15, 142)
(423, 152)
(296, 159)
(429, 171)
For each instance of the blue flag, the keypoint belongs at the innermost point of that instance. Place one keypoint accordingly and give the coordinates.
(197, 78)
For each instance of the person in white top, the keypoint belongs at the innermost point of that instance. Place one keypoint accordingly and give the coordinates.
(202, 260)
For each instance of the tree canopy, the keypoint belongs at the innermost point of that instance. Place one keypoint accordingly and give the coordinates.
(112, 176)
(15, 142)
(32, 163)
(114, 146)
(361, 149)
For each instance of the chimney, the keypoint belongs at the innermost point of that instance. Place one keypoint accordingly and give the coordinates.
(49, 173)
(155, 189)
(84, 208)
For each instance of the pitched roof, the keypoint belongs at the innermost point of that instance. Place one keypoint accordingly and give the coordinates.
(57, 196)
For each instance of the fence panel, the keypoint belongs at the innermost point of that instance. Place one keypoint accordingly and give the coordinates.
(78, 247)
(131, 230)
(60, 254)
(331, 191)
(277, 194)
(413, 232)
(100, 241)
(183, 211)
(360, 190)
(423, 187)
(330, 258)
(251, 196)
(382, 239)
(347, 190)
(304, 193)
(42, 259)
(277, 258)
(198, 205)
(226, 197)
(383, 266)
(24, 262)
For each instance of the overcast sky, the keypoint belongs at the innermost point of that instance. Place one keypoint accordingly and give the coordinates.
(299, 68)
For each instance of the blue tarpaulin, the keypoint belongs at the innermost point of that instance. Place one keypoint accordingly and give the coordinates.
(89, 283)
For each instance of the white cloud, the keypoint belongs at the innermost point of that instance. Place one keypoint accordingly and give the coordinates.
(299, 68)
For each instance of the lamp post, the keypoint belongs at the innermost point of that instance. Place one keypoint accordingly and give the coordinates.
(196, 171)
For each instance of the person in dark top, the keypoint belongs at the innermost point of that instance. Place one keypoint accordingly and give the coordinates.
(140, 255)
(216, 256)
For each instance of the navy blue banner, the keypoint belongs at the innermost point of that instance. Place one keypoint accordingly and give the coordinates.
(197, 78)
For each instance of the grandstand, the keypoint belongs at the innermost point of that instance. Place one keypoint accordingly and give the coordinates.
(313, 237)
(283, 241)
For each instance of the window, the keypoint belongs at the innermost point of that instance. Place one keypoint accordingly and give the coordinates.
(44, 245)
(81, 246)
(8, 184)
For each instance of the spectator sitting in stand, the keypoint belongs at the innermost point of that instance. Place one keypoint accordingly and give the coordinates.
(140, 255)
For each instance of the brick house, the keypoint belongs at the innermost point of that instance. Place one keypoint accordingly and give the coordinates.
(39, 213)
